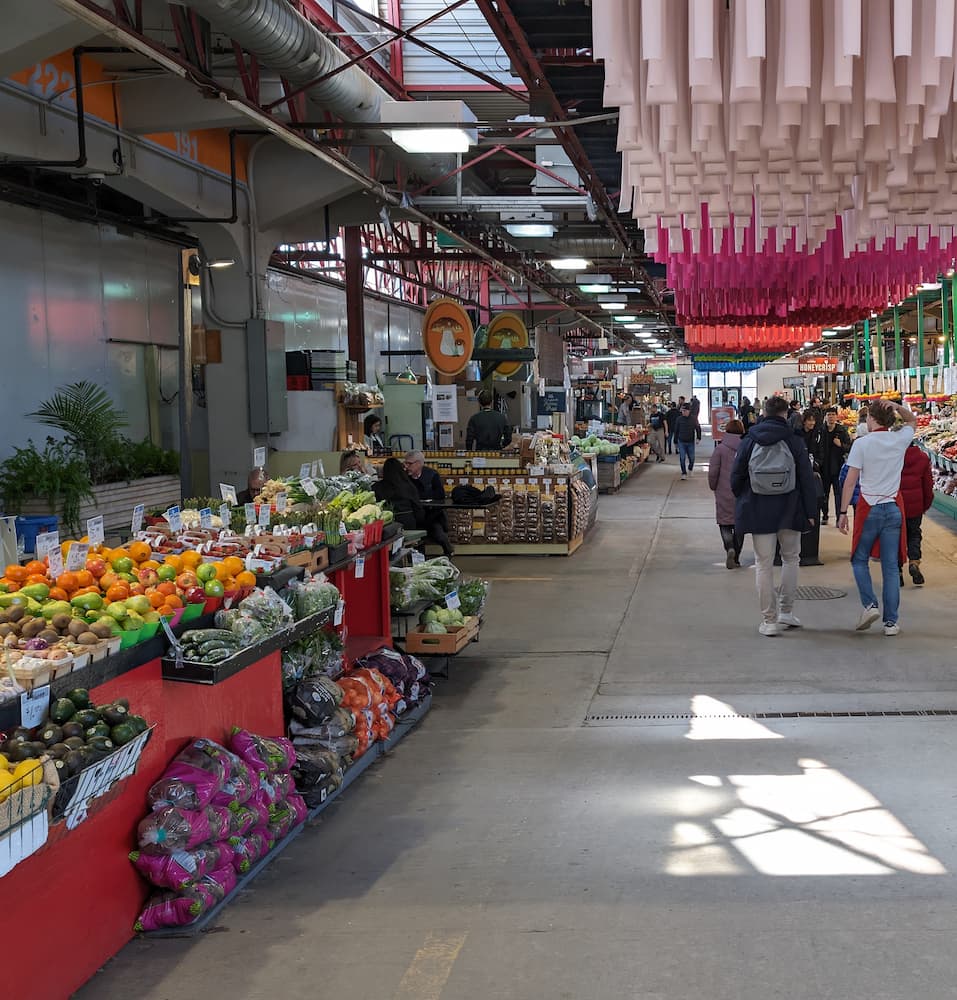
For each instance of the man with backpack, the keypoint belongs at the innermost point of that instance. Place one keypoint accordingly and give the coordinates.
(656, 434)
(671, 425)
(776, 501)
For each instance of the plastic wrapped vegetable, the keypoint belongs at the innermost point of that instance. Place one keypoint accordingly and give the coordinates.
(313, 595)
(263, 753)
(170, 829)
(428, 581)
(179, 870)
(472, 596)
(248, 850)
(266, 608)
(173, 909)
(202, 774)
(315, 700)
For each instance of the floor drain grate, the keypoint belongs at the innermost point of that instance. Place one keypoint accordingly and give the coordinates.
(818, 594)
(689, 716)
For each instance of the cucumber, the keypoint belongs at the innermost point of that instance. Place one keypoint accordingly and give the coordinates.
(195, 635)
(218, 655)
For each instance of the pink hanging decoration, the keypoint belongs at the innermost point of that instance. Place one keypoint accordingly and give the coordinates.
(738, 339)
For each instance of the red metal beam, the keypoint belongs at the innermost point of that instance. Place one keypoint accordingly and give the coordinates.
(544, 170)
(396, 63)
(471, 163)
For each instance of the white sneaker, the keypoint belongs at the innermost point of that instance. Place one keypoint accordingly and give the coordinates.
(769, 629)
(788, 619)
(892, 628)
(867, 619)
(683, 476)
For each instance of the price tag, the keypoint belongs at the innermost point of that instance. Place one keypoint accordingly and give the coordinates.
(463, 481)
(259, 457)
(305, 470)
(56, 562)
(397, 545)
(94, 530)
(360, 567)
(342, 527)
(314, 469)
(547, 483)
(228, 493)
(322, 468)
(478, 462)
(76, 557)
(250, 509)
(519, 482)
(206, 518)
(308, 486)
(46, 543)
(281, 500)
(34, 706)
(536, 470)
(452, 600)
(136, 524)
(264, 513)
(492, 482)
(349, 439)
(175, 519)
(417, 558)
(225, 514)
(340, 611)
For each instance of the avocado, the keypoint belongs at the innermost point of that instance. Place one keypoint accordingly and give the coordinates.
(51, 734)
(99, 743)
(39, 748)
(122, 703)
(100, 729)
(72, 729)
(75, 742)
(86, 717)
(58, 751)
(75, 761)
(139, 724)
(62, 769)
(21, 733)
(123, 733)
(22, 751)
(62, 710)
(80, 698)
(114, 715)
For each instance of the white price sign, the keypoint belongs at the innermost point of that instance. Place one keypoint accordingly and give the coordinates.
(76, 557)
(228, 493)
(417, 558)
(175, 518)
(478, 462)
(360, 567)
(46, 543)
(206, 518)
(340, 611)
(136, 522)
(536, 470)
(250, 509)
(342, 528)
(308, 486)
(94, 530)
(34, 706)
(264, 513)
(281, 500)
(321, 468)
(56, 562)
(452, 600)
(314, 469)
(397, 545)
(225, 514)
(259, 457)
(305, 470)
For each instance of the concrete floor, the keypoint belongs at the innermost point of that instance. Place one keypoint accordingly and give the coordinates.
(515, 847)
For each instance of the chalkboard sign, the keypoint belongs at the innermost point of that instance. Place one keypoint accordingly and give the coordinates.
(641, 389)
(551, 401)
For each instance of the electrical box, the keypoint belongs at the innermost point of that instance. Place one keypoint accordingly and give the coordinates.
(266, 373)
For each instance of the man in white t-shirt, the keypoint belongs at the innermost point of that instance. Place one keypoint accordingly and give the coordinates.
(876, 460)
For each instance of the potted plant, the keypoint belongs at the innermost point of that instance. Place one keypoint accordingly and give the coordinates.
(93, 470)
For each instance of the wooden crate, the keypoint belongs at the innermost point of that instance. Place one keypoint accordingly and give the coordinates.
(417, 641)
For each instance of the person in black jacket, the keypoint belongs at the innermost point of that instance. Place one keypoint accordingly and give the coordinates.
(397, 489)
(687, 431)
(671, 425)
(488, 429)
(835, 444)
(777, 518)
(431, 489)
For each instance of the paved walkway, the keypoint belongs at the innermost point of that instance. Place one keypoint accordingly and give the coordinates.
(591, 811)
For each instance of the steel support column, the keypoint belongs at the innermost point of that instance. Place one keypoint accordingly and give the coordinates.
(920, 344)
(868, 359)
(898, 357)
(355, 289)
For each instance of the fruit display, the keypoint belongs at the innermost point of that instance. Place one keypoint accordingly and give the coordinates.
(75, 735)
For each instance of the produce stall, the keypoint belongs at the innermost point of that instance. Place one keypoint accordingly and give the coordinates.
(128, 665)
(937, 436)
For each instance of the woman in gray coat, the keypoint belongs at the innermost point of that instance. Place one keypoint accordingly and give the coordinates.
(719, 479)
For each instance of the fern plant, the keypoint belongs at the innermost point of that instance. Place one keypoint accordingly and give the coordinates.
(89, 421)
(56, 474)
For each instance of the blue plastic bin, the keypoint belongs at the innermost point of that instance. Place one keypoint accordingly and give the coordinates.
(29, 527)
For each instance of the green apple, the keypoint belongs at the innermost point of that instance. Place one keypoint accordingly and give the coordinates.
(205, 572)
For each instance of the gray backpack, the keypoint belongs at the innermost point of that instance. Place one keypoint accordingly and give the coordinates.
(771, 469)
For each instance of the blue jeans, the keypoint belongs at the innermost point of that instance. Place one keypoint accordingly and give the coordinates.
(883, 523)
(686, 454)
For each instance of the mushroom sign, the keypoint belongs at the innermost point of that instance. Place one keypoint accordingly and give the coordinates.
(507, 332)
(447, 336)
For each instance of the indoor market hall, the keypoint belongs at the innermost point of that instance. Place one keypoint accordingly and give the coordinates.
(625, 791)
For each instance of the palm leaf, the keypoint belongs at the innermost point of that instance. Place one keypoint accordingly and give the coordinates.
(82, 410)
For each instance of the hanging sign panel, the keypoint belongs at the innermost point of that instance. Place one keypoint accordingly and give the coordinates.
(507, 332)
(818, 365)
(447, 336)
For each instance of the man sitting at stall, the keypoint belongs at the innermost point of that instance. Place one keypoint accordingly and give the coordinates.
(254, 483)
(432, 490)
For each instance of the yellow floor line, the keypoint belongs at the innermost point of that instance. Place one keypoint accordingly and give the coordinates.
(429, 971)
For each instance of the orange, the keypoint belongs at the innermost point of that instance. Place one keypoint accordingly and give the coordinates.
(115, 554)
(139, 551)
(234, 565)
(86, 590)
(246, 579)
(36, 568)
(149, 564)
(229, 583)
(157, 600)
(37, 578)
(191, 558)
(67, 581)
(15, 572)
(167, 611)
(58, 594)
(168, 589)
(118, 592)
(85, 578)
(174, 601)
(11, 585)
(175, 561)
(222, 573)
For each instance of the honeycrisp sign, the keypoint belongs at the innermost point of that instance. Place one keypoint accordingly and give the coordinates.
(822, 365)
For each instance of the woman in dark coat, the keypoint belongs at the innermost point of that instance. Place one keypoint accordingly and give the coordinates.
(397, 489)
(719, 479)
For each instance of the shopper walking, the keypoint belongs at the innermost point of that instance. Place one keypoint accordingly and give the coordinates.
(776, 502)
(834, 445)
(687, 431)
(877, 460)
(623, 418)
(917, 490)
(671, 425)
(695, 408)
(795, 417)
(747, 414)
(719, 479)
(656, 433)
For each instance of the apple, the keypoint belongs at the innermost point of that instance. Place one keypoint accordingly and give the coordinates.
(195, 595)
(166, 572)
(214, 588)
(127, 578)
(149, 577)
(186, 580)
(97, 567)
(205, 571)
(123, 565)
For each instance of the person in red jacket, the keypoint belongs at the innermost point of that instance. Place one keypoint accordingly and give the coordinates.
(917, 490)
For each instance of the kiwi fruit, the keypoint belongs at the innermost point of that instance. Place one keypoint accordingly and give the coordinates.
(33, 628)
(77, 627)
(61, 622)
(5, 628)
(49, 635)
(15, 612)
(102, 630)
(87, 639)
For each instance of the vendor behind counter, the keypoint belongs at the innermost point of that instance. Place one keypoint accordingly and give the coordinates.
(488, 429)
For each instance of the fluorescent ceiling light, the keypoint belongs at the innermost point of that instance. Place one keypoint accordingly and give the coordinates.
(808, 343)
(623, 319)
(850, 326)
(430, 126)
(829, 333)
(634, 326)
(220, 263)
(613, 306)
(594, 279)
(930, 286)
(530, 229)
(593, 289)
(662, 350)
(569, 263)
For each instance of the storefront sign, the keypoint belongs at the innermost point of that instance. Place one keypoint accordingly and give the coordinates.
(552, 401)
(664, 374)
(822, 365)
(447, 336)
(507, 332)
